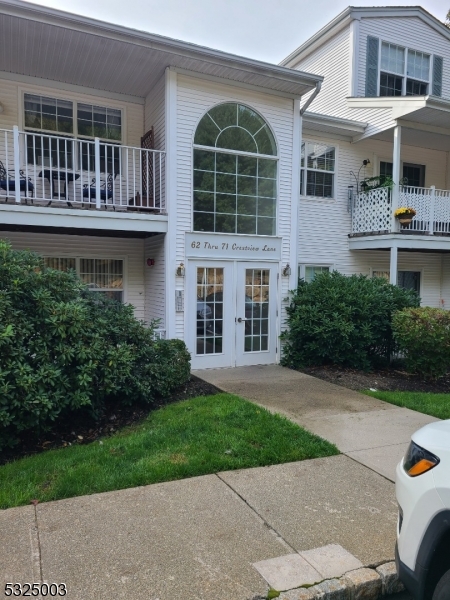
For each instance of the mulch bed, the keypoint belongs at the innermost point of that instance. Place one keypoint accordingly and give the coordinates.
(83, 429)
(389, 380)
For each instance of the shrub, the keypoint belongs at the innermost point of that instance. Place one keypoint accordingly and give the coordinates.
(63, 348)
(342, 320)
(423, 336)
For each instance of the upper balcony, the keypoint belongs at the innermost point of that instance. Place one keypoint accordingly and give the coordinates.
(374, 225)
(56, 180)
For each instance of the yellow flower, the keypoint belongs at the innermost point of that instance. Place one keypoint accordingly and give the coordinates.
(404, 210)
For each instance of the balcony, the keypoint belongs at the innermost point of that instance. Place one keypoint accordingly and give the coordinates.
(54, 173)
(372, 212)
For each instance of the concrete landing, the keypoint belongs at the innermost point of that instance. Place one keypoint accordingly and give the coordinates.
(370, 431)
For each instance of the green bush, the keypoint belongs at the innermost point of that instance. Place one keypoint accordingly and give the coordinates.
(342, 320)
(423, 336)
(63, 348)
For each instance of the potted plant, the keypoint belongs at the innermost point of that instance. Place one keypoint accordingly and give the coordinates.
(405, 214)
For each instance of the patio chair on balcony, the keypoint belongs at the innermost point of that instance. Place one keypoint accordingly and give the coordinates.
(8, 181)
(106, 189)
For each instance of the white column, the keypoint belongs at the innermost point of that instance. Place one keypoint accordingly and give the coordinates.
(171, 200)
(17, 165)
(396, 174)
(393, 266)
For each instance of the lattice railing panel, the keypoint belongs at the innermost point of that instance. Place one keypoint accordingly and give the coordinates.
(442, 211)
(419, 199)
(372, 211)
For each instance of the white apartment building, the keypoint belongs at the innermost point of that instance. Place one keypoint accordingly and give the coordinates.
(197, 185)
(383, 110)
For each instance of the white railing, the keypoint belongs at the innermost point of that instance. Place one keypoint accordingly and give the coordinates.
(372, 210)
(61, 171)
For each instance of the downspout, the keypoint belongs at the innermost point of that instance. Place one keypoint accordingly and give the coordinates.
(311, 98)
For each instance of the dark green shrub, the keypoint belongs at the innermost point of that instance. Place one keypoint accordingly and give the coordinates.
(342, 320)
(423, 336)
(63, 348)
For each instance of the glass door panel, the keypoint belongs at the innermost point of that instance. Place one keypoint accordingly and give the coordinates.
(256, 301)
(209, 310)
(209, 313)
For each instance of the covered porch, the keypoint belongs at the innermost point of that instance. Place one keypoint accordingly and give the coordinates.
(421, 123)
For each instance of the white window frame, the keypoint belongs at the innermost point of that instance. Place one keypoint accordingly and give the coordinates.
(78, 257)
(403, 75)
(74, 103)
(305, 169)
(302, 267)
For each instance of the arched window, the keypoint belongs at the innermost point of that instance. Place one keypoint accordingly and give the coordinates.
(235, 172)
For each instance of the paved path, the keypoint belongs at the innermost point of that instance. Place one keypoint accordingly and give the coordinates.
(372, 432)
(198, 538)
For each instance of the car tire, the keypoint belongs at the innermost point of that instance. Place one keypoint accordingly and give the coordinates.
(442, 590)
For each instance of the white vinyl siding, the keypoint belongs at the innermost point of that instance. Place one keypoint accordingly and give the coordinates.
(409, 32)
(333, 61)
(131, 251)
(324, 228)
(194, 98)
(154, 280)
(155, 113)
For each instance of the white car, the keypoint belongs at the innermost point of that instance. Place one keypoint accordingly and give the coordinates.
(423, 531)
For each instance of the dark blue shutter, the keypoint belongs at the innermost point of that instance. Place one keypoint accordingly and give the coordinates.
(372, 66)
(438, 67)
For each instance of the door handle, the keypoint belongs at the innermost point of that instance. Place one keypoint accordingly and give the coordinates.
(241, 320)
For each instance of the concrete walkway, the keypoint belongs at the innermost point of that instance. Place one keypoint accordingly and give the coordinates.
(374, 433)
(199, 538)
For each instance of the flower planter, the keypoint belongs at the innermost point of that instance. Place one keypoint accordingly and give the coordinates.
(405, 219)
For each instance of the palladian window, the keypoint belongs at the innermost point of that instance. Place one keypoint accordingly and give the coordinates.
(235, 172)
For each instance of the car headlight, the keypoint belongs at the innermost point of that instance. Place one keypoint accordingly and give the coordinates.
(418, 460)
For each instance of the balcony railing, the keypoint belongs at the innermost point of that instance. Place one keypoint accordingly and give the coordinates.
(58, 171)
(372, 210)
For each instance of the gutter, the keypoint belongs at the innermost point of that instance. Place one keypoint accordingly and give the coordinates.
(311, 98)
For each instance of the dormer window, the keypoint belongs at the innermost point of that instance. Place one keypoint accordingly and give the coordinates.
(400, 77)
(393, 70)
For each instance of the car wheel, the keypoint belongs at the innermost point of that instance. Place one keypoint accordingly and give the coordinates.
(442, 591)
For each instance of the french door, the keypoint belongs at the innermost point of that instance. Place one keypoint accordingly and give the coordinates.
(235, 320)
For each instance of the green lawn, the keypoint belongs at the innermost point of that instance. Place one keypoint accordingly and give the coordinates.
(193, 437)
(436, 405)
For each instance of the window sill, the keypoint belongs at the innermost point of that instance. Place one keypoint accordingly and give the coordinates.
(318, 199)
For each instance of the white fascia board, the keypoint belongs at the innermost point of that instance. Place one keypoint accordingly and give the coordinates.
(61, 218)
(400, 241)
(340, 125)
(401, 105)
(233, 83)
(66, 20)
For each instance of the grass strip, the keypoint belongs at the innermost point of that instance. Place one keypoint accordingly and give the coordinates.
(435, 405)
(185, 439)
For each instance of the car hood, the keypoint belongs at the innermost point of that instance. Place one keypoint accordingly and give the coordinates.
(434, 436)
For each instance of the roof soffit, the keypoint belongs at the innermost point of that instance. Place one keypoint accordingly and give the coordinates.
(59, 46)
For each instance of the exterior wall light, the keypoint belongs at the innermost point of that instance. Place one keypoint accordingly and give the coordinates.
(286, 272)
(180, 270)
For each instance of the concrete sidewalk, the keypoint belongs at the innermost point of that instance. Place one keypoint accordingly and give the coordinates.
(199, 538)
(372, 432)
